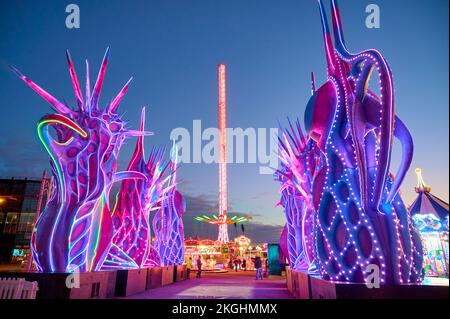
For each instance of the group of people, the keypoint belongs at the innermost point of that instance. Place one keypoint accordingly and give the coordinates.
(257, 261)
(238, 264)
(199, 267)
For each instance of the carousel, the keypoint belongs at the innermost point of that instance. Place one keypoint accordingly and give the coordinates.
(213, 254)
(219, 257)
(430, 216)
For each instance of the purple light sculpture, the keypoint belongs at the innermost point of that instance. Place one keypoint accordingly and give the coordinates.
(360, 219)
(300, 164)
(168, 223)
(137, 198)
(77, 231)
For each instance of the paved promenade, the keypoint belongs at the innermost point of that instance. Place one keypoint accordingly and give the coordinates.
(238, 285)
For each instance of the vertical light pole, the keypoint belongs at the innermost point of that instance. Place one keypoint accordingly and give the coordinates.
(222, 103)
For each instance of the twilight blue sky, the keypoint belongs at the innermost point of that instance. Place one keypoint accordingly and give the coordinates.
(172, 47)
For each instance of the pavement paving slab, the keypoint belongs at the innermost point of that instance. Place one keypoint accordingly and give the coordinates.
(230, 285)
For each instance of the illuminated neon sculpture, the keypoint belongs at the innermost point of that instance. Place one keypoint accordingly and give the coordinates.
(77, 231)
(360, 219)
(300, 165)
(168, 223)
(136, 199)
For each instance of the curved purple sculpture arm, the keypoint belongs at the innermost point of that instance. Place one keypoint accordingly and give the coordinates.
(401, 132)
(373, 59)
(360, 219)
(329, 48)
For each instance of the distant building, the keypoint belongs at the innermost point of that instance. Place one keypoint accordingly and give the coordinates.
(18, 204)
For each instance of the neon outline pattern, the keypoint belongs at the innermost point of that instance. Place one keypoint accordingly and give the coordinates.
(360, 218)
(75, 231)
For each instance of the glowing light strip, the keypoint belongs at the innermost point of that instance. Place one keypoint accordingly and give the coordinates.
(62, 120)
(223, 231)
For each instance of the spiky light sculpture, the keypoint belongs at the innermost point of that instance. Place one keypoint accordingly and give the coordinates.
(168, 223)
(136, 200)
(301, 162)
(75, 230)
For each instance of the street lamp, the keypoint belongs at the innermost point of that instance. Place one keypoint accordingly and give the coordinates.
(3, 199)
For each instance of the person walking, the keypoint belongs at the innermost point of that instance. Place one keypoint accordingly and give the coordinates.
(258, 265)
(199, 267)
(266, 268)
(236, 265)
(230, 264)
(188, 267)
(244, 265)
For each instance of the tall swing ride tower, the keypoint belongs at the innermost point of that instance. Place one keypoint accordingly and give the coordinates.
(222, 219)
(223, 192)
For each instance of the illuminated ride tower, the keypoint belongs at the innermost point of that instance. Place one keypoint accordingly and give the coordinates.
(222, 220)
(223, 193)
